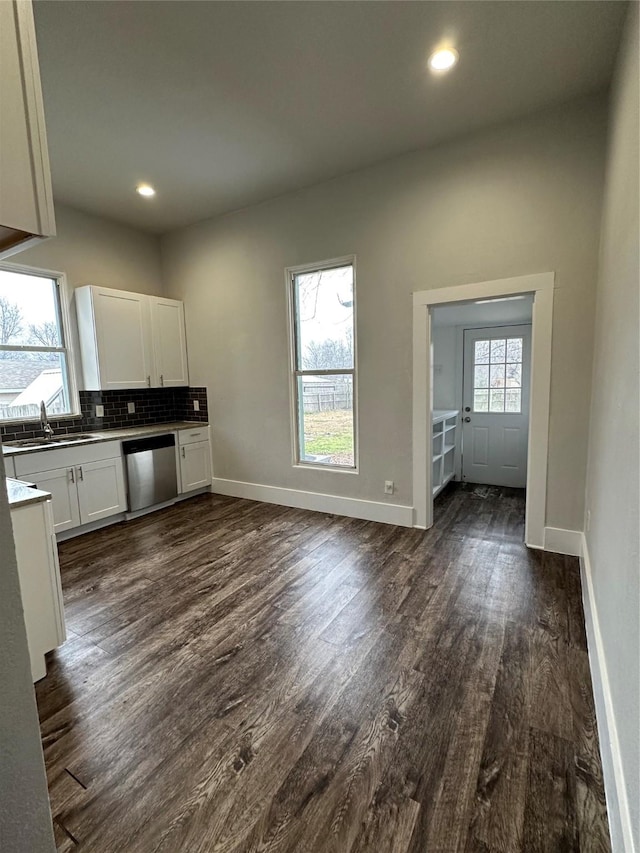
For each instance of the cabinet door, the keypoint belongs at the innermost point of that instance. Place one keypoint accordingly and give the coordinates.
(169, 343)
(122, 322)
(195, 466)
(26, 199)
(101, 491)
(61, 484)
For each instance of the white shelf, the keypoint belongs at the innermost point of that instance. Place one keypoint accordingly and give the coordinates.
(444, 440)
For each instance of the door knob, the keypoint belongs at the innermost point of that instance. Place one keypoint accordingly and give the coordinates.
(467, 420)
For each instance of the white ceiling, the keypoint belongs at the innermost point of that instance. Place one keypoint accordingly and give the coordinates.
(496, 312)
(221, 105)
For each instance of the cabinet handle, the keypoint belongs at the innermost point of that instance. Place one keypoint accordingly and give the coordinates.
(149, 381)
(72, 476)
(80, 474)
(161, 379)
(184, 453)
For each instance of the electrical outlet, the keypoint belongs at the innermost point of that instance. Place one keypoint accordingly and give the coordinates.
(388, 487)
(588, 521)
(131, 408)
(196, 405)
(99, 411)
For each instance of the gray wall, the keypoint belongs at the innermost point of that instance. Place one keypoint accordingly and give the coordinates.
(613, 469)
(25, 818)
(92, 250)
(446, 391)
(521, 198)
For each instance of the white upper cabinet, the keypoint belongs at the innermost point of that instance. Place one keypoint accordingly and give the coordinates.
(169, 345)
(26, 200)
(130, 340)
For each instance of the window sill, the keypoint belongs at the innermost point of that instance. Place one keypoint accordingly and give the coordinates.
(316, 466)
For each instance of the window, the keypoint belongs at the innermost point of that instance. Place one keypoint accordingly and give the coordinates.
(323, 362)
(34, 359)
(497, 375)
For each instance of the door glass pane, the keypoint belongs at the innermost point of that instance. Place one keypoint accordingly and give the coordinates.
(326, 419)
(514, 375)
(514, 349)
(497, 375)
(481, 376)
(498, 350)
(513, 400)
(496, 400)
(324, 319)
(481, 401)
(481, 355)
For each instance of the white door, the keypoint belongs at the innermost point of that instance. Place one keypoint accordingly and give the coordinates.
(195, 465)
(495, 417)
(61, 484)
(169, 343)
(124, 338)
(101, 491)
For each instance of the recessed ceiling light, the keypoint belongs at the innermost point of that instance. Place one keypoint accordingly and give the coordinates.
(146, 190)
(443, 59)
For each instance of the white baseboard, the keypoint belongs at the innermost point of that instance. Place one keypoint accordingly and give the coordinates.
(561, 541)
(615, 788)
(350, 507)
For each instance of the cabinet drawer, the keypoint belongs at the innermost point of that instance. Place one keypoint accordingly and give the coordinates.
(190, 436)
(63, 457)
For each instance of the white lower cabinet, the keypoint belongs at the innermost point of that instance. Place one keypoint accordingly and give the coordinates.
(86, 483)
(101, 490)
(61, 484)
(39, 574)
(195, 458)
(195, 466)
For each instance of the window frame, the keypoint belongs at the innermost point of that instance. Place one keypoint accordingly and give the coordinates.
(295, 373)
(65, 328)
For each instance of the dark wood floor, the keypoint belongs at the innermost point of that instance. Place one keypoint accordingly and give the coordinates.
(245, 677)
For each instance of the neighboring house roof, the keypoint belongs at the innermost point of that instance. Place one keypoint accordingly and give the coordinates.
(47, 386)
(17, 374)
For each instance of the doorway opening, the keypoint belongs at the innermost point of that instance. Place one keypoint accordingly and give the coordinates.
(496, 365)
(481, 383)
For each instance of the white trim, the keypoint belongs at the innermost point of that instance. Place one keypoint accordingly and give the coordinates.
(316, 502)
(560, 541)
(541, 285)
(614, 784)
(294, 372)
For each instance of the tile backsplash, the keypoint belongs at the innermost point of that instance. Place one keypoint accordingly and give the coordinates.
(152, 405)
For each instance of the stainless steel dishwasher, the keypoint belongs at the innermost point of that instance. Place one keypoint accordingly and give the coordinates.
(151, 470)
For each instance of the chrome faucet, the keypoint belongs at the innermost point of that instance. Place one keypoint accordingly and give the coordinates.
(44, 422)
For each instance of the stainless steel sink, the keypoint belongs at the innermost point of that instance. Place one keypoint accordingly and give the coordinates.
(47, 442)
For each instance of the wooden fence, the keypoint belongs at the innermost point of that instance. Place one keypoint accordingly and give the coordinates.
(327, 401)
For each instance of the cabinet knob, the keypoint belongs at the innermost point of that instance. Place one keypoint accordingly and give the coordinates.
(467, 420)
